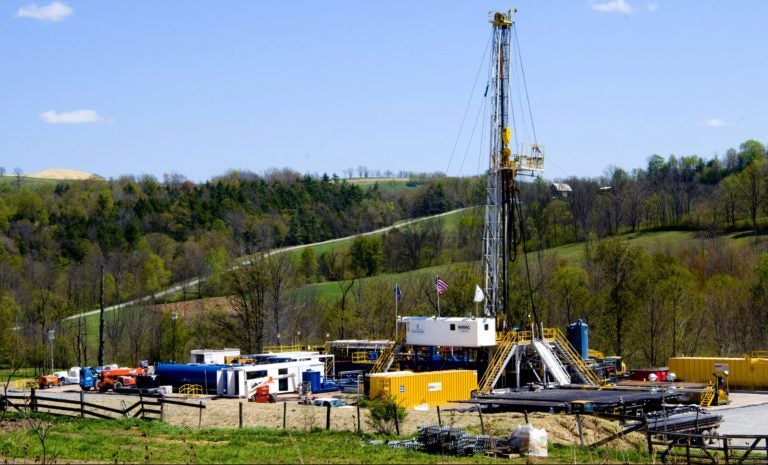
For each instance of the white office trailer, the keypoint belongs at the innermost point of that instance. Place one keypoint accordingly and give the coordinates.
(282, 372)
(212, 356)
(449, 331)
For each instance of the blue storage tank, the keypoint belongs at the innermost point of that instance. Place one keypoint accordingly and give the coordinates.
(578, 336)
(177, 375)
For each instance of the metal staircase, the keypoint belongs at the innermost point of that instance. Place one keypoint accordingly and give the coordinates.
(570, 357)
(707, 396)
(387, 357)
(498, 362)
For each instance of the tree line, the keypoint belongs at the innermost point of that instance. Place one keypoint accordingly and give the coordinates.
(643, 304)
(56, 238)
(704, 297)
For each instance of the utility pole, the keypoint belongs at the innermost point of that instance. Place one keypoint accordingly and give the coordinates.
(174, 317)
(51, 337)
(101, 317)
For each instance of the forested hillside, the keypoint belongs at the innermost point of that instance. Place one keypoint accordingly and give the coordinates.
(701, 291)
(57, 238)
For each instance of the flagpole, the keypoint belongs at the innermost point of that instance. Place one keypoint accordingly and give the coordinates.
(438, 296)
(397, 291)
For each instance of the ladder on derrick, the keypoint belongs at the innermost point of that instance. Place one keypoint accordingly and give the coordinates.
(498, 362)
(569, 355)
(387, 357)
(707, 396)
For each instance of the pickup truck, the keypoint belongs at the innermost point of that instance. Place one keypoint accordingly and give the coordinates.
(333, 402)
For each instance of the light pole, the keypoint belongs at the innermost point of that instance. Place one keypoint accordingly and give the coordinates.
(278, 342)
(298, 338)
(51, 337)
(174, 317)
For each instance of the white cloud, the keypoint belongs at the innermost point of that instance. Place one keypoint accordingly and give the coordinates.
(52, 13)
(716, 123)
(613, 6)
(71, 117)
(651, 7)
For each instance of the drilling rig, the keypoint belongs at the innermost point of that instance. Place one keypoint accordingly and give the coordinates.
(509, 158)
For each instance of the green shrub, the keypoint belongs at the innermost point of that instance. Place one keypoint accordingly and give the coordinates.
(384, 412)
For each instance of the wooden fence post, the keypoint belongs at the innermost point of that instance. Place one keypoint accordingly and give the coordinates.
(650, 443)
(285, 415)
(241, 414)
(82, 406)
(200, 417)
(439, 419)
(328, 417)
(33, 401)
(581, 432)
(482, 424)
(359, 429)
(397, 420)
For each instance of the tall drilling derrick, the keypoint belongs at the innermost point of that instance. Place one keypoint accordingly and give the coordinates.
(500, 235)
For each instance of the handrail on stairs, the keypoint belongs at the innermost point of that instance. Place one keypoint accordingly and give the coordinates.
(574, 358)
(498, 361)
(386, 356)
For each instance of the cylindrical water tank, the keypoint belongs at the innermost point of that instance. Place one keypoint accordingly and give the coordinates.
(178, 375)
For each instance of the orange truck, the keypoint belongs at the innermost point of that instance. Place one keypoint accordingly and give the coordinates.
(118, 378)
(47, 381)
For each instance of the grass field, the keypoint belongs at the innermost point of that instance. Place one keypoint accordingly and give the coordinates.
(137, 441)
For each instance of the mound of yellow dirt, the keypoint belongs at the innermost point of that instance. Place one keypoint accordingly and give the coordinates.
(62, 174)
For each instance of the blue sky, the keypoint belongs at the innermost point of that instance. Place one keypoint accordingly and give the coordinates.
(200, 87)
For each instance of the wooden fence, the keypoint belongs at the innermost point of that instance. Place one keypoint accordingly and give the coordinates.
(148, 408)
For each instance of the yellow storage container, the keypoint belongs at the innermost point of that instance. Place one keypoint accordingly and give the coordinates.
(743, 373)
(432, 388)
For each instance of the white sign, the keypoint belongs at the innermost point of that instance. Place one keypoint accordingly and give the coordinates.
(435, 387)
(722, 367)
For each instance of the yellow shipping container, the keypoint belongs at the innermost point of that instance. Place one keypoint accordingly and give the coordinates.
(432, 388)
(743, 373)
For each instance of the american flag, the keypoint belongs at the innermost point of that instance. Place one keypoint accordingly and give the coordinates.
(440, 285)
(398, 294)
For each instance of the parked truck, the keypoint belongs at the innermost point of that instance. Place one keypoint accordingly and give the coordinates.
(110, 378)
(48, 381)
(89, 376)
(118, 378)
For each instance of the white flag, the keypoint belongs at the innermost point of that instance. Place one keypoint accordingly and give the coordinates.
(479, 296)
